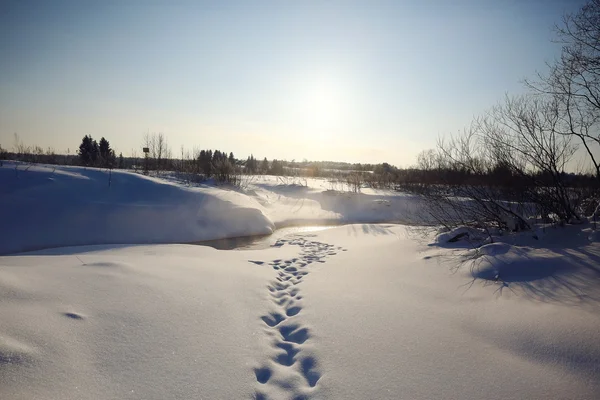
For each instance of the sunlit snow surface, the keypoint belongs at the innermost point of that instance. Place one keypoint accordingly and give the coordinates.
(53, 206)
(362, 311)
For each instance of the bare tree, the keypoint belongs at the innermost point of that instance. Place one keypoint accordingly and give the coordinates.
(524, 136)
(427, 160)
(506, 169)
(354, 181)
(20, 148)
(159, 151)
(574, 79)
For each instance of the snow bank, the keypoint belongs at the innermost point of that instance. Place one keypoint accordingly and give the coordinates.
(316, 203)
(47, 206)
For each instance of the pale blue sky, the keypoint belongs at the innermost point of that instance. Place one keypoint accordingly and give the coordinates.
(367, 81)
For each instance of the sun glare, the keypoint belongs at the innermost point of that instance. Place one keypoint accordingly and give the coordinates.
(323, 106)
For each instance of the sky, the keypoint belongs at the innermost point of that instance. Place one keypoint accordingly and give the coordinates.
(370, 81)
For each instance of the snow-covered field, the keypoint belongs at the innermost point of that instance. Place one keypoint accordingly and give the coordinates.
(48, 206)
(360, 311)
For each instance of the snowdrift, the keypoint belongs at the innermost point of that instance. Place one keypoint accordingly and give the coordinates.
(47, 206)
(314, 202)
(51, 206)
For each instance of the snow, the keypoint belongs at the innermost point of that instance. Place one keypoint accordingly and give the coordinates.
(352, 312)
(290, 204)
(460, 233)
(43, 207)
(50, 206)
(361, 311)
(153, 322)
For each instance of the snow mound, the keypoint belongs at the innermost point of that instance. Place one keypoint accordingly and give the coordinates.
(514, 264)
(494, 249)
(460, 234)
(48, 206)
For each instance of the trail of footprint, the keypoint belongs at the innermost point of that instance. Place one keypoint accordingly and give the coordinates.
(288, 367)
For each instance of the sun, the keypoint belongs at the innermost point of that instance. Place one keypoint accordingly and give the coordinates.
(323, 106)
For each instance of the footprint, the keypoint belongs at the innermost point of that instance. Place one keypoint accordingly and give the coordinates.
(311, 375)
(294, 334)
(262, 374)
(277, 286)
(256, 262)
(273, 319)
(290, 312)
(289, 357)
(281, 301)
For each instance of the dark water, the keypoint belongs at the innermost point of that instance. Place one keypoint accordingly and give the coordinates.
(259, 241)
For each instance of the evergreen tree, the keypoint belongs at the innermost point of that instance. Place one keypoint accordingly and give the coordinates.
(112, 159)
(251, 165)
(264, 166)
(85, 150)
(106, 154)
(276, 168)
(205, 162)
(208, 166)
(94, 152)
(201, 160)
(231, 158)
(88, 151)
(121, 161)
